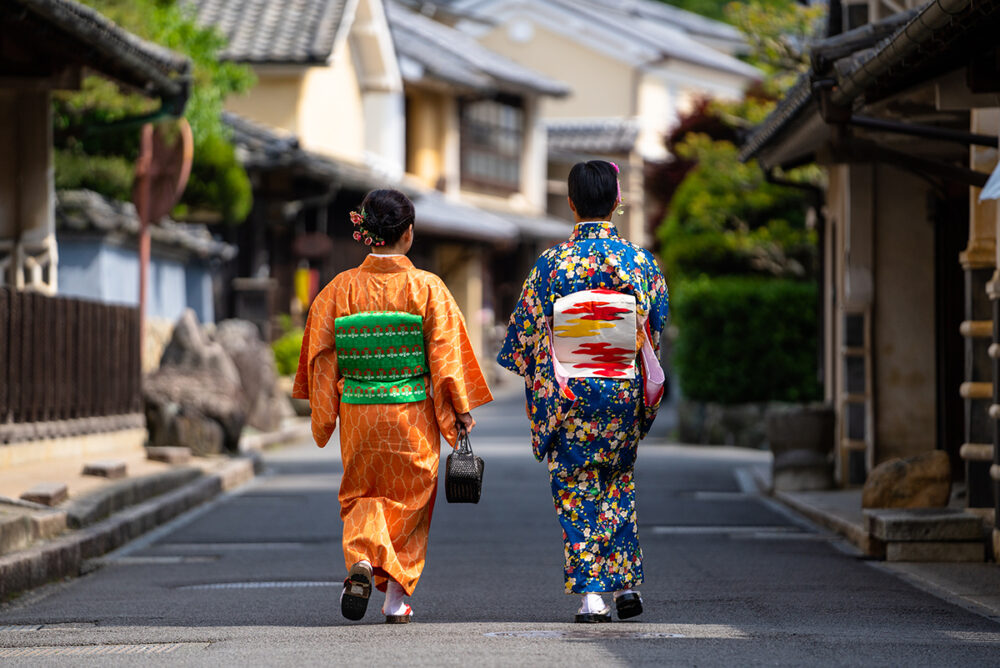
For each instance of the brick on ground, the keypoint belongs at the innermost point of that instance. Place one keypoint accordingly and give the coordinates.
(47, 493)
(107, 468)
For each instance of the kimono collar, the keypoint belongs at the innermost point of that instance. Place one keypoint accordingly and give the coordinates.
(594, 229)
(386, 264)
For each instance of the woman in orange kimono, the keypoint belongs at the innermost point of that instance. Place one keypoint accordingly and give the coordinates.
(393, 400)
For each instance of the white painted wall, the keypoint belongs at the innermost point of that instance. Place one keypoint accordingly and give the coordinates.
(91, 269)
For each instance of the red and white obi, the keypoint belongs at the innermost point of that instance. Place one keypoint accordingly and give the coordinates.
(594, 334)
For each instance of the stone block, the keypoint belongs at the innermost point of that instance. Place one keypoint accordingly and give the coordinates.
(936, 551)
(169, 454)
(923, 524)
(15, 532)
(922, 481)
(47, 493)
(107, 468)
(48, 524)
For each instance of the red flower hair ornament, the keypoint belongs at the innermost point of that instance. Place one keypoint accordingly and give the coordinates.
(362, 233)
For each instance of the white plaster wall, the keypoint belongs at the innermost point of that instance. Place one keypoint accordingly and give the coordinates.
(330, 109)
(385, 131)
(904, 363)
(109, 274)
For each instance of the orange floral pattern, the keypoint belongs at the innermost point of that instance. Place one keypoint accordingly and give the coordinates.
(390, 452)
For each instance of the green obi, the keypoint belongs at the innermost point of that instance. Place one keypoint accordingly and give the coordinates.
(380, 354)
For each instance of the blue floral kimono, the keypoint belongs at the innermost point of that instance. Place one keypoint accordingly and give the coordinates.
(590, 430)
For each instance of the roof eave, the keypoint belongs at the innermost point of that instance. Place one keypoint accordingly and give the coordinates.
(134, 61)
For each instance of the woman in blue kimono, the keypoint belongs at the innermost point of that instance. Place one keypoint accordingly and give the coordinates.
(593, 385)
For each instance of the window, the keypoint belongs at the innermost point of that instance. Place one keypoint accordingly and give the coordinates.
(492, 138)
(857, 15)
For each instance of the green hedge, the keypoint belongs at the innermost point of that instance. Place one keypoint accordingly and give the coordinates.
(746, 339)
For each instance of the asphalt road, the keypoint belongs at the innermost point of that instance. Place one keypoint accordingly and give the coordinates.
(254, 578)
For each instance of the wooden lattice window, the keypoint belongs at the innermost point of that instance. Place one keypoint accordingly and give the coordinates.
(492, 141)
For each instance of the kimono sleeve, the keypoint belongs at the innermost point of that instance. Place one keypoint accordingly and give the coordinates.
(456, 378)
(317, 378)
(519, 352)
(526, 352)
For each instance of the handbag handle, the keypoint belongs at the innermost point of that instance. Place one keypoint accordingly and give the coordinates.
(464, 446)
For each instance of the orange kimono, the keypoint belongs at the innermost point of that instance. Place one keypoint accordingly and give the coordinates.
(390, 452)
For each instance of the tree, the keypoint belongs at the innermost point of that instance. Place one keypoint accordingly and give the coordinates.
(94, 153)
(738, 248)
(724, 217)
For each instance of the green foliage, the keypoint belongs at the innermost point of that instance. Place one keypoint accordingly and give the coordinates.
(218, 182)
(746, 339)
(713, 9)
(111, 175)
(286, 351)
(725, 218)
(778, 34)
(738, 249)
(79, 115)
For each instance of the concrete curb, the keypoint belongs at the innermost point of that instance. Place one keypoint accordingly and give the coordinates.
(125, 494)
(64, 556)
(300, 429)
(856, 534)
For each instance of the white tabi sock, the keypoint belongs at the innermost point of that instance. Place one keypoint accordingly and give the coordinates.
(622, 592)
(592, 602)
(395, 599)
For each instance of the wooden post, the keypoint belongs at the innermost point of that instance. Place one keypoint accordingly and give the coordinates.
(143, 178)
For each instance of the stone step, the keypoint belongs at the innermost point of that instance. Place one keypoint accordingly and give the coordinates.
(94, 507)
(894, 525)
(22, 525)
(936, 551)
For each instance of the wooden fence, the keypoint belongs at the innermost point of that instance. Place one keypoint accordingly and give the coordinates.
(64, 362)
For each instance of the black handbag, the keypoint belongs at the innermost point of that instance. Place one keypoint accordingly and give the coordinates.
(463, 473)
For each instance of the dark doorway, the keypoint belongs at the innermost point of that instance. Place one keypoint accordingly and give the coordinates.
(951, 230)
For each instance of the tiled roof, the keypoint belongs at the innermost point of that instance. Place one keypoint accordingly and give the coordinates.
(636, 31)
(274, 31)
(104, 46)
(603, 135)
(691, 23)
(87, 211)
(439, 216)
(544, 228)
(668, 40)
(880, 59)
(265, 148)
(447, 54)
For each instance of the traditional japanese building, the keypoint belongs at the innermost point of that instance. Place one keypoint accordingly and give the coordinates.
(354, 96)
(902, 109)
(632, 66)
(69, 367)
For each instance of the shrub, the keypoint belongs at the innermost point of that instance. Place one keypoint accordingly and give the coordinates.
(743, 339)
(286, 351)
